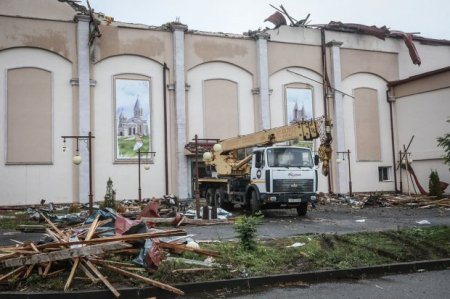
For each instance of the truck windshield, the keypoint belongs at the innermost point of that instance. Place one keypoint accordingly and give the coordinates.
(289, 157)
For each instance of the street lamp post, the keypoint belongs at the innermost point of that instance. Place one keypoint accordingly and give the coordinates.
(77, 160)
(347, 152)
(205, 141)
(139, 170)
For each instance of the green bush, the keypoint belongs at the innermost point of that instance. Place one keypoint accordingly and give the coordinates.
(246, 229)
(434, 185)
(444, 142)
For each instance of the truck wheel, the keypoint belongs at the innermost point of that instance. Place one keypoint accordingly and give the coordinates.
(302, 209)
(254, 203)
(210, 196)
(221, 199)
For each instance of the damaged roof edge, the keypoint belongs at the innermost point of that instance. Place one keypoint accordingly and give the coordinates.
(417, 77)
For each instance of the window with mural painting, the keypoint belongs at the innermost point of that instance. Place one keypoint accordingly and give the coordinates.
(132, 117)
(299, 105)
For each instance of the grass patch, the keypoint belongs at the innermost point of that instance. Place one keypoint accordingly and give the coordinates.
(11, 219)
(319, 252)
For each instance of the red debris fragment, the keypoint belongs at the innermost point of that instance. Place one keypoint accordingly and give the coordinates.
(277, 19)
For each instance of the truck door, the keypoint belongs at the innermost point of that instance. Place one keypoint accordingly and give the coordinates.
(258, 170)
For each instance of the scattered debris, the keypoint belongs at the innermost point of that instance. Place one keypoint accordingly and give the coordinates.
(360, 220)
(423, 222)
(362, 200)
(95, 246)
(297, 244)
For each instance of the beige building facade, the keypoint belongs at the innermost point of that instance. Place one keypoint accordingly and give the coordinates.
(65, 72)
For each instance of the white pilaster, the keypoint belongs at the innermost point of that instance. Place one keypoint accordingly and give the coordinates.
(84, 110)
(263, 81)
(341, 174)
(180, 104)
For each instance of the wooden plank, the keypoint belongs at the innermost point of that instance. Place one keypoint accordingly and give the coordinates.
(92, 228)
(28, 273)
(141, 278)
(55, 228)
(57, 272)
(12, 273)
(112, 262)
(7, 256)
(56, 238)
(88, 273)
(101, 277)
(47, 269)
(63, 254)
(76, 261)
(72, 273)
(133, 237)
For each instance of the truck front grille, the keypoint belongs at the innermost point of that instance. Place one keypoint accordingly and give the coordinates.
(293, 186)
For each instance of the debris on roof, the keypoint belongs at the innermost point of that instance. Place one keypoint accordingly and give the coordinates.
(75, 6)
(277, 19)
(380, 33)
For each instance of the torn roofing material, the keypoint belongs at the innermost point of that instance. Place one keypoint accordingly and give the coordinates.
(380, 33)
(277, 19)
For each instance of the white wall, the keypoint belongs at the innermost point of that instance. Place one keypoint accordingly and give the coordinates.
(28, 184)
(432, 57)
(277, 83)
(365, 174)
(218, 70)
(125, 176)
(424, 116)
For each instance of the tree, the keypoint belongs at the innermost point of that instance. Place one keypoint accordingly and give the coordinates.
(434, 185)
(444, 142)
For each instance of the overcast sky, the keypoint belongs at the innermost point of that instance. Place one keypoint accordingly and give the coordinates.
(429, 17)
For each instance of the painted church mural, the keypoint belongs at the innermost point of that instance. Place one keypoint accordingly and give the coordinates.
(132, 118)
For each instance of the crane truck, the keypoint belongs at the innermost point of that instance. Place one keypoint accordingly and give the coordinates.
(271, 177)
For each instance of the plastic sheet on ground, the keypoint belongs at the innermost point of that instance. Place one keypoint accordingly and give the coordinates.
(423, 222)
(105, 213)
(297, 244)
(221, 213)
(123, 224)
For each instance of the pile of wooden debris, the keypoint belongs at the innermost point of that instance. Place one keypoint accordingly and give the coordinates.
(361, 200)
(86, 247)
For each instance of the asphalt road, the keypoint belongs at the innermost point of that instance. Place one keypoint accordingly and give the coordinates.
(424, 285)
(332, 218)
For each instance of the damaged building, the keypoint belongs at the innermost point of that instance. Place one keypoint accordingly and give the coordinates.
(66, 70)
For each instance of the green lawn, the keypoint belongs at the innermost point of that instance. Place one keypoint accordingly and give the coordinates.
(126, 145)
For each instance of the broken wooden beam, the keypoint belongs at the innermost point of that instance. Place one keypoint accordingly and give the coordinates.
(12, 273)
(134, 237)
(76, 262)
(141, 278)
(63, 254)
(101, 277)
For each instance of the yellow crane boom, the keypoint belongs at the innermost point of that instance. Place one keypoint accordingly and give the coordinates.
(224, 157)
(300, 130)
